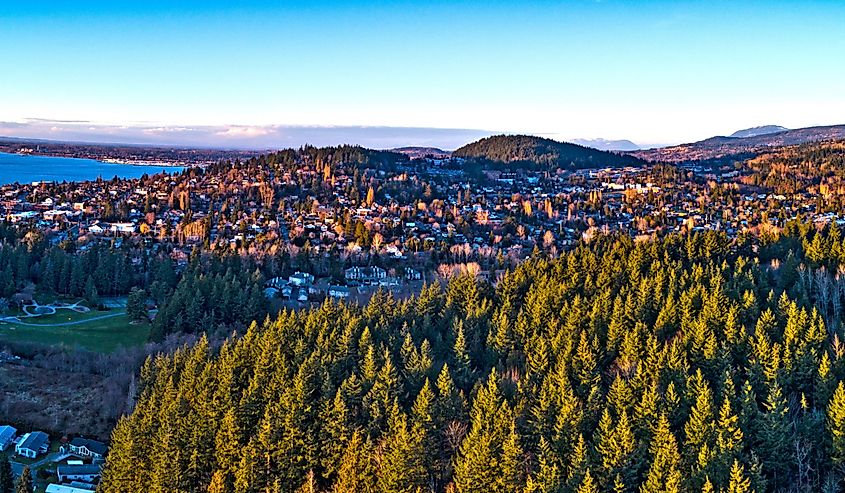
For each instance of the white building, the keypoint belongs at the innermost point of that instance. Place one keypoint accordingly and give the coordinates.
(7, 436)
(300, 279)
(33, 444)
(60, 488)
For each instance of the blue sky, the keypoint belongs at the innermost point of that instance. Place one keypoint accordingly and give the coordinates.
(649, 71)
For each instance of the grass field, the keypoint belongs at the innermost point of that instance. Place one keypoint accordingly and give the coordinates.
(92, 333)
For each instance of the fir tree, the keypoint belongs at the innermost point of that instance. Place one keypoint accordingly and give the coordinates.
(24, 483)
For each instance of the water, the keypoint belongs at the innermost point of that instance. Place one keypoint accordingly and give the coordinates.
(28, 169)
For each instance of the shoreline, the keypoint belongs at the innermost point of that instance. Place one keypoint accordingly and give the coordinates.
(118, 161)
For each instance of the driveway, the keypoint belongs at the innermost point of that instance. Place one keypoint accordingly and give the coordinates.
(17, 467)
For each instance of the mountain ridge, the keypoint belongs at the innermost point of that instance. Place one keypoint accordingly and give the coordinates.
(758, 131)
(607, 144)
(721, 147)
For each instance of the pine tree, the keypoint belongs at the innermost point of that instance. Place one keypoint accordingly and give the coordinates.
(836, 424)
(218, 483)
(588, 485)
(355, 472)
(401, 466)
(7, 481)
(729, 437)
(136, 302)
(664, 475)
(699, 431)
(511, 466)
(775, 437)
(24, 483)
(739, 483)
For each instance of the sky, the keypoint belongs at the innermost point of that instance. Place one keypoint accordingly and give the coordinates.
(386, 73)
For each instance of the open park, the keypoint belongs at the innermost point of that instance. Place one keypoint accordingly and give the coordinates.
(73, 325)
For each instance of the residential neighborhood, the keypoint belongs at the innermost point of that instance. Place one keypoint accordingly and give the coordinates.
(61, 466)
(326, 226)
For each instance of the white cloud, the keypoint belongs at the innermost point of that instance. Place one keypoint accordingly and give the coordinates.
(244, 132)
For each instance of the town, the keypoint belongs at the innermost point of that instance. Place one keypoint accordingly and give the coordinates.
(343, 222)
(69, 465)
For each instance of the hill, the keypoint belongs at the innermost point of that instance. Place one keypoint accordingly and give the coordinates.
(629, 359)
(732, 147)
(527, 150)
(757, 131)
(607, 145)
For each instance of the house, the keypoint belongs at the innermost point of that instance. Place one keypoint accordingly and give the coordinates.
(339, 292)
(300, 279)
(96, 229)
(85, 447)
(88, 473)
(7, 436)
(276, 282)
(33, 444)
(367, 275)
(123, 228)
(412, 274)
(60, 488)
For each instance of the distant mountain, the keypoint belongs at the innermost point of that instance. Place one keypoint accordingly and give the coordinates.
(607, 145)
(528, 150)
(716, 148)
(757, 131)
(422, 152)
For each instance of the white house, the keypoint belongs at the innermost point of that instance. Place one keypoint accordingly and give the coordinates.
(87, 473)
(339, 292)
(123, 227)
(7, 436)
(85, 447)
(276, 282)
(300, 279)
(365, 274)
(33, 444)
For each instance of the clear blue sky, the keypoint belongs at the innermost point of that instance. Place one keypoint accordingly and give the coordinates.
(650, 71)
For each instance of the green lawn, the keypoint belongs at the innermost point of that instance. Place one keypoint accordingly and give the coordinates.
(103, 335)
(63, 315)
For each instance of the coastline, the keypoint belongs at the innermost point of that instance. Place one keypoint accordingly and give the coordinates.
(32, 167)
(127, 162)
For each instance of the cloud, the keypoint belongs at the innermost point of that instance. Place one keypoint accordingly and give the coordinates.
(240, 136)
(49, 120)
(247, 132)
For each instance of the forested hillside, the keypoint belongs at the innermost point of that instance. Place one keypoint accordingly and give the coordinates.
(526, 150)
(694, 363)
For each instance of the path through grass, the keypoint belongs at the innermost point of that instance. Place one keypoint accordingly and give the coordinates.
(88, 331)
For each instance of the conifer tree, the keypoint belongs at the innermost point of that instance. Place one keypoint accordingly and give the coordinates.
(739, 483)
(664, 475)
(836, 424)
(7, 481)
(699, 430)
(588, 485)
(24, 483)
